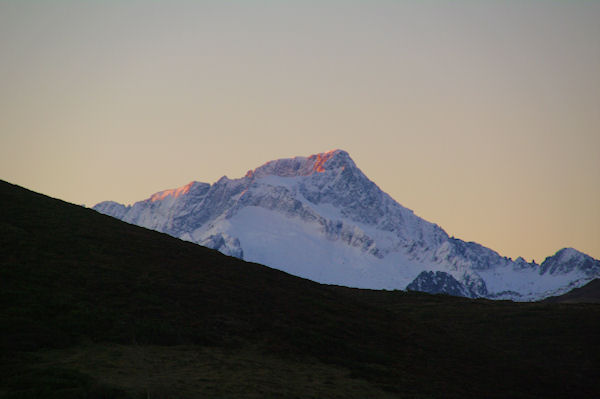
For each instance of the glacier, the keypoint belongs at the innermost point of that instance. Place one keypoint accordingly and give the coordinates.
(319, 217)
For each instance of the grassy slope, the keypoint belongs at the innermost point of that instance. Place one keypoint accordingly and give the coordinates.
(92, 306)
(589, 293)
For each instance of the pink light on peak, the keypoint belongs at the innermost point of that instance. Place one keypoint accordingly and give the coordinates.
(176, 192)
(320, 160)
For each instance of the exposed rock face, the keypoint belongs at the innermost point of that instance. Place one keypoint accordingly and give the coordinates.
(438, 283)
(225, 244)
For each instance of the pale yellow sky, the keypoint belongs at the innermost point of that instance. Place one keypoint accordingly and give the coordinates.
(482, 117)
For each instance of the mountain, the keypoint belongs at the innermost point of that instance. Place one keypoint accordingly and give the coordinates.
(321, 218)
(91, 307)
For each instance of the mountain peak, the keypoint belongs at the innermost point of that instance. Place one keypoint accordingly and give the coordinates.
(568, 259)
(304, 166)
(334, 159)
(569, 253)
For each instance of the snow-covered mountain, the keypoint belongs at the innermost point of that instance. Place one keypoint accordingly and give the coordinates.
(321, 218)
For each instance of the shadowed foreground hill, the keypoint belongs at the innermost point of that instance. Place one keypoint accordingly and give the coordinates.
(589, 293)
(91, 307)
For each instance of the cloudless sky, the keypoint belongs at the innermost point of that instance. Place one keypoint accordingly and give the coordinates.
(481, 116)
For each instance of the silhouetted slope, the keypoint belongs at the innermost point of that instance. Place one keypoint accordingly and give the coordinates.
(589, 293)
(87, 274)
(71, 277)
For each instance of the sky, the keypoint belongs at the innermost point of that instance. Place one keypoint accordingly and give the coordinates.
(480, 116)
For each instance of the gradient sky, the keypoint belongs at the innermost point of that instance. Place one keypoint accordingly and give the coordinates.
(481, 116)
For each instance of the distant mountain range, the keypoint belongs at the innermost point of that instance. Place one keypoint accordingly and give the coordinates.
(321, 218)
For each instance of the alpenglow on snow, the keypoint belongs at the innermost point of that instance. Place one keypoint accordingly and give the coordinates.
(321, 218)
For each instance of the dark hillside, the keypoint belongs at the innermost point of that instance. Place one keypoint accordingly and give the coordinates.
(589, 293)
(94, 307)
